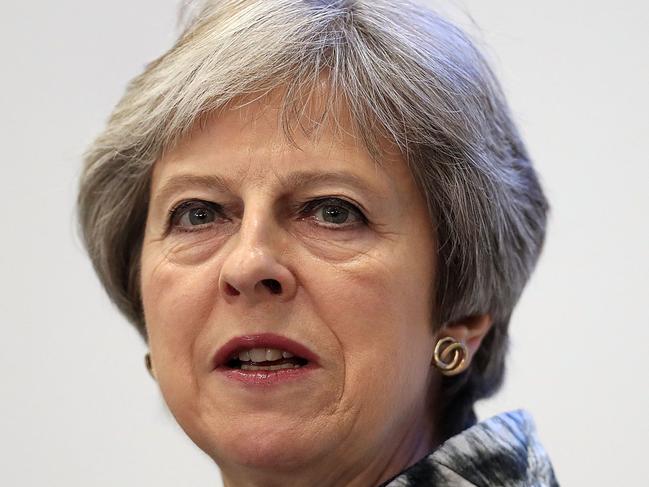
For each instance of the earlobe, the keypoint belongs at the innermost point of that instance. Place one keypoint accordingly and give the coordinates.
(469, 330)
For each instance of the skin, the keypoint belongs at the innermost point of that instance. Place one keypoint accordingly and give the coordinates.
(356, 293)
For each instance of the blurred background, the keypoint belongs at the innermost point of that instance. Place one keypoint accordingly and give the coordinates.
(77, 407)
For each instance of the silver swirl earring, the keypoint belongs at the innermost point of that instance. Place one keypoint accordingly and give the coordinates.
(446, 347)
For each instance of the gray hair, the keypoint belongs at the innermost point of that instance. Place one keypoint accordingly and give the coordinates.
(405, 75)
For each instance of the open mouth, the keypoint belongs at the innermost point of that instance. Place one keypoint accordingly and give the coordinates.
(267, 359)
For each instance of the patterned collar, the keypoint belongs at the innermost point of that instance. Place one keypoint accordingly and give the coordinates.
(501, 451)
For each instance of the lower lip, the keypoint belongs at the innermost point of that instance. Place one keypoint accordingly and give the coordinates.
(266, 377)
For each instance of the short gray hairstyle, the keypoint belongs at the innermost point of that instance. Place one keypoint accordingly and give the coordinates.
(405, 75)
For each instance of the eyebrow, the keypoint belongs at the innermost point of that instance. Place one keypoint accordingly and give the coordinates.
(300, 179)
(177, 183)
(297, 179)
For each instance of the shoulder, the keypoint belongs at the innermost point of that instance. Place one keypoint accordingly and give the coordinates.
(503, 450)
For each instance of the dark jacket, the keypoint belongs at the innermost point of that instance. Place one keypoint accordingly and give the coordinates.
(502, 451)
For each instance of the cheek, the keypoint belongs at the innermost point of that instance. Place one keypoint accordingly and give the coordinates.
(174, 298)
(380, 310)
(177, 302)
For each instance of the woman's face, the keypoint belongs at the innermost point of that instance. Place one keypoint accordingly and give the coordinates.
(251, 241)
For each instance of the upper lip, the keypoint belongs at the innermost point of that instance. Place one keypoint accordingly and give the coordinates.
(263, 340)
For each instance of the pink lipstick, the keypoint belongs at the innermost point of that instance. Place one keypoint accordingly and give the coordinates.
(264, 359)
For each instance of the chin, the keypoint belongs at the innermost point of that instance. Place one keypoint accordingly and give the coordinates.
(264, 442)
(270, 453)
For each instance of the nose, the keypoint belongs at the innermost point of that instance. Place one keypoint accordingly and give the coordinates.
(252, 271)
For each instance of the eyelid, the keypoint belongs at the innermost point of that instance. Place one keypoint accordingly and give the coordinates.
(179, 209)
(335, 200)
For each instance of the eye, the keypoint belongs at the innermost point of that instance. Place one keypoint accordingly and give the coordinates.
(193, 215)
(334, 213)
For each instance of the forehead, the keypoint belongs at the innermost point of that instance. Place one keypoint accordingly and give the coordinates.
(249, 142)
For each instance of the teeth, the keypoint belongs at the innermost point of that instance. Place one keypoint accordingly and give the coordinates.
(273, 354)
(258, 354)
(263, 355)
(269, 367)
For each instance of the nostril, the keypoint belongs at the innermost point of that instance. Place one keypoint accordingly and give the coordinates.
(272, 284)
(231, 290)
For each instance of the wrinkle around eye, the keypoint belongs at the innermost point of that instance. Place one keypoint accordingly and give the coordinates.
(193, 250)
(180, 246)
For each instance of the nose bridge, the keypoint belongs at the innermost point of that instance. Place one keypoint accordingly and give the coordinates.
(252, 271)
(258, 233)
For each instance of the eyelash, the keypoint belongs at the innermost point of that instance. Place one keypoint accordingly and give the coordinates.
(178, 211)
(317, 203)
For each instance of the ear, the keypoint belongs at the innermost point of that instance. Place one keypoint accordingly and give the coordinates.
(470, 330)
(149, 365)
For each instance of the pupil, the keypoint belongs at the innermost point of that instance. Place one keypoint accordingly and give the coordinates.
(199, 216)
(335, 214)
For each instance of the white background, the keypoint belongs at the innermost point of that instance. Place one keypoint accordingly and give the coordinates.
(77, 407)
